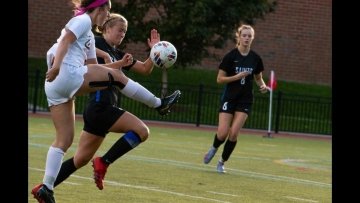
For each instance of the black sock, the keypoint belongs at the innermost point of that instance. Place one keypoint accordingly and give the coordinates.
(67, 168)
(126, 143)
(228, 149)
(217, 142)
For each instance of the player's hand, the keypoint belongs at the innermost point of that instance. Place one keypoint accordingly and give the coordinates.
(52, 73)
(243, 74)
(263, 89)
(107, 59)
(154, 38)
(127, 59)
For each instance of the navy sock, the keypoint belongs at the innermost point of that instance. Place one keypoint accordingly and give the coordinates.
(217, 142)
(126, 143)
(228, 149)
(67, 168)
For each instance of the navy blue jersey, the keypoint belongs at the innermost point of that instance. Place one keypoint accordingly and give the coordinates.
(233, 63)
(109, 95)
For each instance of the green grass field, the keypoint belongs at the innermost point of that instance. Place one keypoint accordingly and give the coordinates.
(168, 167)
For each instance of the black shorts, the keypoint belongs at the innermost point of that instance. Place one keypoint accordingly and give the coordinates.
(233, 105)
(98, 118)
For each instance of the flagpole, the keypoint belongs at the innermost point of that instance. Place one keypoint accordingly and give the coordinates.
(271, 88)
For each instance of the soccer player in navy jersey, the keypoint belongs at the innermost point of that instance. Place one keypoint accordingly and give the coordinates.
(238, 69)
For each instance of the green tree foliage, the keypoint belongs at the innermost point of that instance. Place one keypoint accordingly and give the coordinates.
(191, 26)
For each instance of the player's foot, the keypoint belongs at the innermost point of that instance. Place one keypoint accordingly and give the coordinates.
(220, 167)
(168, 102)
(99, 172)
(42, 194)
(209, 155)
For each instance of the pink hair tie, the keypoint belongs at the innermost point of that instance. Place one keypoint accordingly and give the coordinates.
(96, 3)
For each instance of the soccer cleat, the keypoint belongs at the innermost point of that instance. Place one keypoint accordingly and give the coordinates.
(99, 172)
(220, 167)
(210, 154)
(42, 194)
(168, 102)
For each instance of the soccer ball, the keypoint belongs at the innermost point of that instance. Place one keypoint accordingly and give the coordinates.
(163, 54)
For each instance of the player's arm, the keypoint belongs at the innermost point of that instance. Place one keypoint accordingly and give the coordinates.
(125, 61)
(103, 54)
(61, 51)
(223, 78)
(145, 68)
(260, 82)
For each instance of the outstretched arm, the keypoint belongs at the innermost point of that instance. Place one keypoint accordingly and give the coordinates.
(146, 67)
(154, 38)
(125, 61)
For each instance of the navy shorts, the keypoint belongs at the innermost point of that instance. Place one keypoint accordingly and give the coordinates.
(98, 118)
(232, 106)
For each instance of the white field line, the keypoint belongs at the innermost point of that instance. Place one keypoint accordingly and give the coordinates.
(220, 193)
(302, 163)
(154, 189)
(237, 171)
(300, 199)
(209, 167)
(71, 183)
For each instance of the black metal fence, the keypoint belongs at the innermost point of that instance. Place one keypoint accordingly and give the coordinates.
(198, 105)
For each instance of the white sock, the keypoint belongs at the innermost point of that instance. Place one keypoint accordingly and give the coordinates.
(53, 163)
(139, 93)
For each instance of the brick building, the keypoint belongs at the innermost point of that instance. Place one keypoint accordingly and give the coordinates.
(295, 41)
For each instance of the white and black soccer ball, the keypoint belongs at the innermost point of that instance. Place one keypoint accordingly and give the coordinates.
(163, 54)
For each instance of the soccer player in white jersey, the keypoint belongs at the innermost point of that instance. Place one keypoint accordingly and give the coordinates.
(73, 71)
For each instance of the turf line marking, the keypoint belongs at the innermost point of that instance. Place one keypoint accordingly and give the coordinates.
(236, 171)
(268, 145)
(71, 183)
(207, 168)
(280, 178)
(114, 183)
(220, 193)
(307, 164)
(301, 199)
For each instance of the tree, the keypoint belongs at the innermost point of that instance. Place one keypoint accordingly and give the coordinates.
(191, 26)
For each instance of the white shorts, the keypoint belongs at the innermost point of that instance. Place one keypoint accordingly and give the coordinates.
(65, 85)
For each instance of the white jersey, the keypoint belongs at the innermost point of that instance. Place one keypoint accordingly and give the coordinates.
(84, 46)
(72, 70)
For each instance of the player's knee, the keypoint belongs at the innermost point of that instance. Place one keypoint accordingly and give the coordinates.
(144, 133)
(111, 82)
(233, 137)
(114, 82)
(64, 143)
(132, 138)
(222, 134)
(80, 161)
